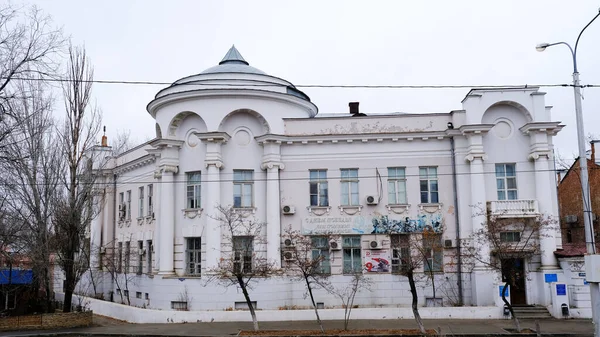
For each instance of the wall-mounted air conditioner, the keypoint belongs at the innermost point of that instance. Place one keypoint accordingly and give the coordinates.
(371, 200)
(288, 210)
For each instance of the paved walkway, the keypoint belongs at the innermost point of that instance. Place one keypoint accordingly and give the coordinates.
(106, 326)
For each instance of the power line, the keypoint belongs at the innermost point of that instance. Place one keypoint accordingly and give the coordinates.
(340, 86)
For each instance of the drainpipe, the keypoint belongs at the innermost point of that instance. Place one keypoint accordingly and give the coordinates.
(456, 220)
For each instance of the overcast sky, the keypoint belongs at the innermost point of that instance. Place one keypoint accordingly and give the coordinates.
(340, 42)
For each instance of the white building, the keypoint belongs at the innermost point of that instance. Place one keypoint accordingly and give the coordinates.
(233, 135)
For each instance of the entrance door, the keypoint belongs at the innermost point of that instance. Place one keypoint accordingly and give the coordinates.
(513, 271)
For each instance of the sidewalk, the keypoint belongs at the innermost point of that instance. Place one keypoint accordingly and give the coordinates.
(448, 327)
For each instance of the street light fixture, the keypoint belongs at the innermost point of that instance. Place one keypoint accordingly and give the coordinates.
(585, 187)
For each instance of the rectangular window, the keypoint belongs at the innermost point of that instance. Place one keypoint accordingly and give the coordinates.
(150, 204)
(194, 256)
(396, 185)
(127, 256)
(128, 206)
(510, 236)
(352, 254)
(119, 257)
(141, 202)
(349, 186)
(147, 296)
(320, 252)
(400, 252)
(243, 186)
(429, 185)
(193, 190)
(319, 193)
(434, 253)
(140, 266)
(506, 181)
(149, 256)
(138, 294)
(122, 210)
(243, 249)
(179, 305)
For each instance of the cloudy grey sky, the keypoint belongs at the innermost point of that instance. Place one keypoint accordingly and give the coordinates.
(340, 42)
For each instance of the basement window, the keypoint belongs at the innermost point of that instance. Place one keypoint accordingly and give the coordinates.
(179, 305)
(244, 305)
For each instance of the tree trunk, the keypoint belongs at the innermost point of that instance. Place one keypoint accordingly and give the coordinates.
(69, 281)
(49, 304)
(510, 308)
(312, 299)
(415, 300)
(248, 302)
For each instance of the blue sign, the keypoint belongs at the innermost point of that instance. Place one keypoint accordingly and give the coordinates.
(506, 293)
(561, 289)
(581, 274)
(548, 278)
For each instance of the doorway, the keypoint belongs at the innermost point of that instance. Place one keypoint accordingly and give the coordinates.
(513, 272)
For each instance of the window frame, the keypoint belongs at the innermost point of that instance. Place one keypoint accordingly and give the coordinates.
(149, 248)
(400, 256)
(150, 193)
(193, 180)
(347, 181)
(503, 177)
(196, 251)
(510, 236)
(320, 247)
(354, 250)
(396, 181)
(434, 253)
(128, 206)
(243, 182)
(243, 259)
(429, 179)
(140, 201)
(321, 185)
(140, 266)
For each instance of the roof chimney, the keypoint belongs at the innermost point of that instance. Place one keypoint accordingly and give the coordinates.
(104, 138)
(353, 108)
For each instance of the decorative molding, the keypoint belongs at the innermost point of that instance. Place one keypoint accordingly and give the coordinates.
(398, 208)
(157, 174)
(213, 137)
(191, 213)
(551, 128)
(244, 211)
(128, 222)
(539, 154)
(350, 138)
(120, 223)
(135, 164)
(350, 210)
(271, 164)
(217, 163)
(318, 210)
(140, 221)
(472, 156)
(149, 218)
(430, 208)
(169, 169)
(475, 129)
(165, 142)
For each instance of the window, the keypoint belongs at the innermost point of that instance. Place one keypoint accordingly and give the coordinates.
(506, 181)
(141, 202)
(127, 256)
(429, 185)
(149, 256)
(352, 254)
(147, 296)
(433, 251)
(510, 236)
(179, 305)
(194, 256)
(138, 294)
(140, 267)
(319, 194)
(396, 186)
(150, 195)
(243, 184)
(126, 293)
(121, 206)
(349, 185)
(119, 257)
(128, 207)
(320, 250)
(400, 252)
(243, 249)
(193, 190)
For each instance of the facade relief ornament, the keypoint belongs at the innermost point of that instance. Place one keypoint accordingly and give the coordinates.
(192, 213)
(319, 210)
(217, 163)
(169, 169)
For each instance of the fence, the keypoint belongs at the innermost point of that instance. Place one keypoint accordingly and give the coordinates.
(46, 321)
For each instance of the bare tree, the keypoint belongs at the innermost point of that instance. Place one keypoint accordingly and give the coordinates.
(117, 263)
(35, 166)
(347, 293)
(29, 49)
(75, 206)
(307, 259)
(509, 240)
(122, 142)
(242, 260)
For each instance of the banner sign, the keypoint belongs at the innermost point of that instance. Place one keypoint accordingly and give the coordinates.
(380, 224)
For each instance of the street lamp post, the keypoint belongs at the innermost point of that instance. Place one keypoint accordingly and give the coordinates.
(585, 186)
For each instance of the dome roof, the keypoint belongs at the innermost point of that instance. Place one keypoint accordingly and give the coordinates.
(233, 62)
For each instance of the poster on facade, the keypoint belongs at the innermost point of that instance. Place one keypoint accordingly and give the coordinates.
(378, 224)
(377, 261)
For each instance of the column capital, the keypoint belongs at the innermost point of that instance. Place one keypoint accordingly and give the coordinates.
(267, 165)
(476, 155)
(169, 168)
(539, 155)
(216, 162)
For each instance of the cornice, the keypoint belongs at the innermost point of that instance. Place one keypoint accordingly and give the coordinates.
(551, 128)
(213, 136)
(475, 129)
(135, 164)
(351, 138)
(164, 142)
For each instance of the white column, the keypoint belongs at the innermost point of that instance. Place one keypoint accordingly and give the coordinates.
(156, 239)
(478, 202)
(543, 195)
(96, 232)
(273, 215)
(213, 226)
(166, 224)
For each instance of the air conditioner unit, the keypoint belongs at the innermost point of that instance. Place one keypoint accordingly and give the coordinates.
(141, 251)
(571, 218)
(371, 200)
(448, 243)
(374, 244)
(334, 245)
(288, 243)
(288, 256)
(288, 209)
(102, 250)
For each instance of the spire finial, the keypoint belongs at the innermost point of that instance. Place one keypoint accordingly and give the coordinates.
(233, 56)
